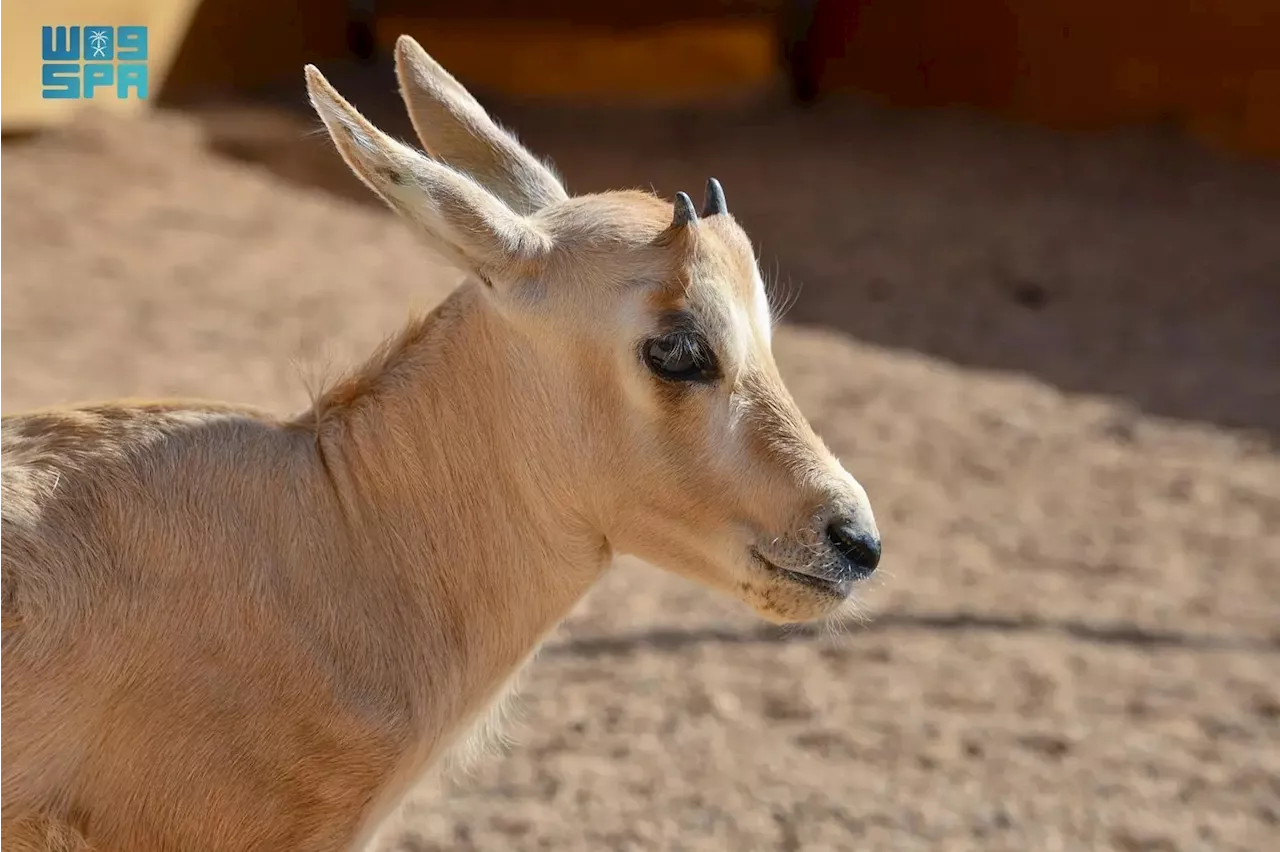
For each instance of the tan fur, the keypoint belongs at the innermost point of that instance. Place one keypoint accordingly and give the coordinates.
(224, 630)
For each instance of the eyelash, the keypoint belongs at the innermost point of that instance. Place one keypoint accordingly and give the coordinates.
(691, 346)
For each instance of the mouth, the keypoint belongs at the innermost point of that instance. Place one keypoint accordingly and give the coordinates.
(833, 588)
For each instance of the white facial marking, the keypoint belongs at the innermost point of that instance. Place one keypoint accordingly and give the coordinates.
(760, 302)
(742, 335)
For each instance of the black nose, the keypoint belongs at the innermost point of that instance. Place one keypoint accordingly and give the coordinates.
(858, 549)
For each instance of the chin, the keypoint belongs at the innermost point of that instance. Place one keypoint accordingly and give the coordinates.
(777, 595)
(781, 596)
(782, 600)
(797, 610)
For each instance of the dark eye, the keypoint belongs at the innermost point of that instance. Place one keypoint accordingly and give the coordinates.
(681, 357)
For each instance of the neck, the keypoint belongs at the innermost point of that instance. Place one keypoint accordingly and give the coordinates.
(439, 455)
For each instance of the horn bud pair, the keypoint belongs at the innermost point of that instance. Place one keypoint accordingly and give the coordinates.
(712, 204)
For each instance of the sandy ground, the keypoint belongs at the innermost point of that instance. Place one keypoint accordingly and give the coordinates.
(1054, 363)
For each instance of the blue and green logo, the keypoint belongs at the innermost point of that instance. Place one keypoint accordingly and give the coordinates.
(80, 61)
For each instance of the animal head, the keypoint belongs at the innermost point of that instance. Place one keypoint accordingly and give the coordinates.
(654, 333)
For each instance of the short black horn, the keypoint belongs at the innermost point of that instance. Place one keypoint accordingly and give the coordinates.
(686, 214)
(714, 202)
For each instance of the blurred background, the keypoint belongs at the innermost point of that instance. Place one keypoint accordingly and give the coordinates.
(1034, 251)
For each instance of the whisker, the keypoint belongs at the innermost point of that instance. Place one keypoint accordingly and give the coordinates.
(783, 293)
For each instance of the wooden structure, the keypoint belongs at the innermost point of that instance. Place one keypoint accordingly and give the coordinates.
(22, 103)
(194, 46)
(1211, 66)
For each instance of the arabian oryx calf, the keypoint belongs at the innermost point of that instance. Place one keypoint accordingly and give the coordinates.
(223, 630)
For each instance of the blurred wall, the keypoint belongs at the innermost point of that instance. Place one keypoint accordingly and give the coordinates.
(657, 50)
(1209, 66)
(1212, 66)
(246, 43)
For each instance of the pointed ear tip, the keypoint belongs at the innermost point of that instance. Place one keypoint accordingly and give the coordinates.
(316, 82)
(414, 63)
(408, 49)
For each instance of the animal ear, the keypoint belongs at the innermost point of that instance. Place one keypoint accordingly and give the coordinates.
(455, 129)
(469, 226)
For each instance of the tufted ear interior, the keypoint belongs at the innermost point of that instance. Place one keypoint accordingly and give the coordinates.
(455, 129)
(472, 227)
